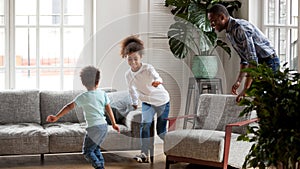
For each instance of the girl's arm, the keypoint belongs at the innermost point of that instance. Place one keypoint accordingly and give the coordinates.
(157, 79)
(132, 91)
(155, 75)
(66, 109)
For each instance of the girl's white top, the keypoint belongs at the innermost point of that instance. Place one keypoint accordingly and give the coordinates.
(140, 86)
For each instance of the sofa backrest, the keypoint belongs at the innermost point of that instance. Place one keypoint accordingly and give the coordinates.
(19, 106)
(120, 103)
(53, 101)
(216, 110)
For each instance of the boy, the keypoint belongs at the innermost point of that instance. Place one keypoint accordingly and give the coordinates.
(94, 102)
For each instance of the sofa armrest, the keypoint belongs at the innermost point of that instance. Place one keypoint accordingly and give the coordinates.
(228, 131)
(172, 120)
(133, 121)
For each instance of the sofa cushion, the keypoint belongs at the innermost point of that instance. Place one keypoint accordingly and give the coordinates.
(65, 137)
(215, 111)
(23, 138)
(53, 101)
(115, 141)
(68, 137)
(19, 106)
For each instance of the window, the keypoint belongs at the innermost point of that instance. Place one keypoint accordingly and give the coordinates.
(2, 42)
(281, 27)
(42, 42)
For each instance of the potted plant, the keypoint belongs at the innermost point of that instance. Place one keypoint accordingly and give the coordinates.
(275, 98)
(191, 34)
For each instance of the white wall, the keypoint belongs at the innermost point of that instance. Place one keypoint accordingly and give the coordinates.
(115, 19)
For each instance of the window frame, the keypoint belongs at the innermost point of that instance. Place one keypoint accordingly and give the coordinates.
(10, 68)
(276, 26)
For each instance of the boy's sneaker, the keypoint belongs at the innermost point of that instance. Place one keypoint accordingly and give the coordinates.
(142, 158)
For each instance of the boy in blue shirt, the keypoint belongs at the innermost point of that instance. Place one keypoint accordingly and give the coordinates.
(94, 102)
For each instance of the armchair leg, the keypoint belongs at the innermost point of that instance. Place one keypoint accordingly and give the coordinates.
(167, 163)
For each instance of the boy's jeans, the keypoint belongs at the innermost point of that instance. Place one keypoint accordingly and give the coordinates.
(91, 146)
(148, 112)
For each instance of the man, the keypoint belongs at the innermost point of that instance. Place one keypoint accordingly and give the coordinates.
(248, 41)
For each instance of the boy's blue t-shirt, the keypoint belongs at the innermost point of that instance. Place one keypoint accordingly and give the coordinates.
(93, 103)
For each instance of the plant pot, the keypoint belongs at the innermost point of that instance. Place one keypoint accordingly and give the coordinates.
(205, 66)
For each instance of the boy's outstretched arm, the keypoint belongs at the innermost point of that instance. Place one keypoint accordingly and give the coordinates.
(112, 118)
(68, 107)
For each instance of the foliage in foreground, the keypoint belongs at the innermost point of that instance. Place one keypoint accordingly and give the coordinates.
(276, 100)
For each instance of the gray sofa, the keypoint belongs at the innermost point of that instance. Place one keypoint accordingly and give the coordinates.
(24, 130)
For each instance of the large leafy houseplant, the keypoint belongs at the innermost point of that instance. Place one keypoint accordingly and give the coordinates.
(276, 100)
(191, 32)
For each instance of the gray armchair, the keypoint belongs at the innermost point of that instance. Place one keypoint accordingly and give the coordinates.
(213, 140)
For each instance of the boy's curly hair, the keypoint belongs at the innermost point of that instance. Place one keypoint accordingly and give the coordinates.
(90, 76)
(130, 45)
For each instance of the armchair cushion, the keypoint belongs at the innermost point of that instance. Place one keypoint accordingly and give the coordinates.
(213, 141)
(199, 144)
(205, 145)
(216, 111)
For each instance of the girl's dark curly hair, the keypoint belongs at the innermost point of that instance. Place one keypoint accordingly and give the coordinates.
(90, 76)
(130, 45)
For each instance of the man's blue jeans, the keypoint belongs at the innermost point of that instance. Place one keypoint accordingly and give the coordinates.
(273, 63)
(91, 145)
(148, 112)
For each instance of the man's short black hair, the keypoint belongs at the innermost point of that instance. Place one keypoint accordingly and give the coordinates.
(218, 9)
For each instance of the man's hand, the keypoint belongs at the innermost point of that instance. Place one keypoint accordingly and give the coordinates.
(156, 83)
(235, 87)
(247, 85)
(240, 96)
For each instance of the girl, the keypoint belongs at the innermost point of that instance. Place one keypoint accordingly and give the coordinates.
(145, 84)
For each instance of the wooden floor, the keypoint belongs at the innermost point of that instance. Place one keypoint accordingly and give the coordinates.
(113, 160)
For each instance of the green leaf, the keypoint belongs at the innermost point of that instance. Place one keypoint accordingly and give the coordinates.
(181, 39)
(275, 98)
(195, 13)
